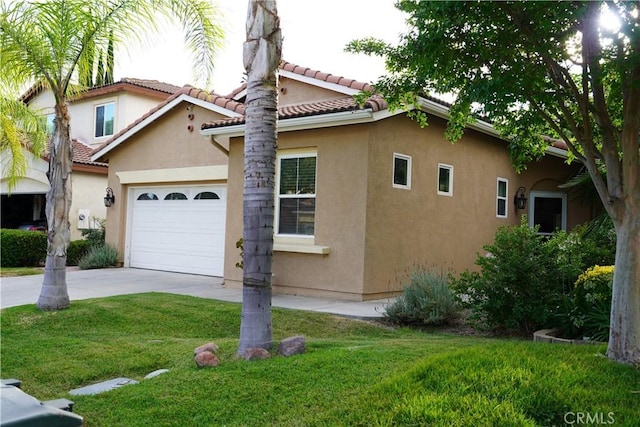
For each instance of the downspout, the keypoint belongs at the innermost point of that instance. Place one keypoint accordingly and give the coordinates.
(219, 146)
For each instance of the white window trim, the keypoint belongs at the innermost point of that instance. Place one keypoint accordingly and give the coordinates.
(450, 168)
(505, 197)
(393, 171)
(95, 119)
(279, 237)
(549, 194)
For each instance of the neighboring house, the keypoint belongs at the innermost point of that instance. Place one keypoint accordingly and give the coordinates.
(363, 194)
(96, 115)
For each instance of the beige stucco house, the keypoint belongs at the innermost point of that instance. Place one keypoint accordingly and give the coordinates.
(96, 115)
(363, 194)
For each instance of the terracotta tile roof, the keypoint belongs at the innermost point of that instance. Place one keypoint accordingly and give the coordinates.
(152, 84)
(161, 89)
(308, 72)
(330, 78)
(219, 100)
(375, 103)
(82, 154)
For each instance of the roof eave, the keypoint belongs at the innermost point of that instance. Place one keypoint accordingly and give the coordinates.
(301, 123)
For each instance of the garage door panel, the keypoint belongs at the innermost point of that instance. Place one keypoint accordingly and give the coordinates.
(178, 235)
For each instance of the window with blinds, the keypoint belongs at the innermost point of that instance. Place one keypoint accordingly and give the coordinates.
(296, 194)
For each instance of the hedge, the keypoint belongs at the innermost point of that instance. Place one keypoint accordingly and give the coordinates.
(22, 248)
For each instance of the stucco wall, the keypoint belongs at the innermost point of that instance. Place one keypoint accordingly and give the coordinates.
(88, 196)
(295, 92)
(339, 225)
(165, 144)
(128, 107)
(407, 228)
(376, 232)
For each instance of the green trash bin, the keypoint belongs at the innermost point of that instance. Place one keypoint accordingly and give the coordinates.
(21, 410)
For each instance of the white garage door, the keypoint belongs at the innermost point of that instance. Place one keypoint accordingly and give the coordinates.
(178, 229)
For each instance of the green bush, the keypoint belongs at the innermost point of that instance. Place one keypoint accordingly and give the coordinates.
(524, 280)
(77, 250)
(426, 299)
(516, 287)
(22, 248)
(100, 257)
(95, 236)
(599, 238)
(592, 299)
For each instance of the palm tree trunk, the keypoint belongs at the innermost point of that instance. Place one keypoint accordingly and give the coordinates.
(624, 337)
(53, 294)
(262, 52)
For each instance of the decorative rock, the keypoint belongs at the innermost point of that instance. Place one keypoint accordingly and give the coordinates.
(292, 345)
(256, 354)
(205, 359)
(210, 347)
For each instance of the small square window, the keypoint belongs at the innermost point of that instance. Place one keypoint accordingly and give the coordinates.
(401, 171)
(501, 197)
(445, 180)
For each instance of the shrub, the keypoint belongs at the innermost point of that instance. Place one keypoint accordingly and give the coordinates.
(599, 237)
(426, 299)
(95, 236)
(22, 248)
(517, 284)
(592, 299)
(77, 250)
(100, 257)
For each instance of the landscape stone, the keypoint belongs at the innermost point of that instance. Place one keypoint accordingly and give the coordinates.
(102, 387)
(211, 347)
(256, 354)
(292, 345)
(205, 359)
(156, 373)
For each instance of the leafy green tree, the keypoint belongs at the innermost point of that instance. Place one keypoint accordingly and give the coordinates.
(262, 55)
(51, 42)
(536, 69)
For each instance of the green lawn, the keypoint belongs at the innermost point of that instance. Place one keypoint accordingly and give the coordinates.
(353, 373)
(20, 271)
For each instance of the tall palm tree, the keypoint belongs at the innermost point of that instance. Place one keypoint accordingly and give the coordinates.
(262, 54)
(48, 41)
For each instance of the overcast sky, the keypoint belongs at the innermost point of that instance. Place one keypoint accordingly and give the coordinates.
(314, 32)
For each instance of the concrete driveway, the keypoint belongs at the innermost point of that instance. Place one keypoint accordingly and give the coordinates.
(84, 284)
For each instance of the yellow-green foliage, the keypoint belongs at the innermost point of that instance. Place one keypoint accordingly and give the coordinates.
(595, 284)
(596, 273)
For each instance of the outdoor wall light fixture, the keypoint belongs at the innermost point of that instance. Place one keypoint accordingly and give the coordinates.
(109, 198)
(519, 199)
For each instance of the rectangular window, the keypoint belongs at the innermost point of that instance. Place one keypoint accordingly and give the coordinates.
(445, 180)
(401, 171)
(296, 201)
(105, 119)
(501, 198)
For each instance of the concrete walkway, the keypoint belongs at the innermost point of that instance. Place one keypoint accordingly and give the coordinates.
(84, 284)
